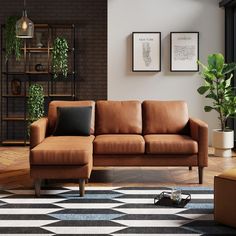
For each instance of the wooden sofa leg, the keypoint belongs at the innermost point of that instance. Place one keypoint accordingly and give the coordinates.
(200, 174)
(37, 187)
(81, 187)
(190, 168)
(86, 181)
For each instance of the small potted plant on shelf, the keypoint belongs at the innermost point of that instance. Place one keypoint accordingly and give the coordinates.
(35, 103)
(60, 57)
(217, 76)
(13, 44)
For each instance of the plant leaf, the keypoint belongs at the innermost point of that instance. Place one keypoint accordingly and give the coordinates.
(216, 62)
(228, 81)
(212, 95)
(208, 108)
(203, 89)
(229, 68)
(202, 65)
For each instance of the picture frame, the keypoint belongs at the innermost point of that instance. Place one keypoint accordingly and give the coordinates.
(146, 51)
(184, 51)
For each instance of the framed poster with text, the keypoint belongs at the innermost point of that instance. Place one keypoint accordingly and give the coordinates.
(184, 51)
(146, 55)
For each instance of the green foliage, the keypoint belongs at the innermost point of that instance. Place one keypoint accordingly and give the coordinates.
(217, 77)
(13, 44)
(60, 57)
(35, 103)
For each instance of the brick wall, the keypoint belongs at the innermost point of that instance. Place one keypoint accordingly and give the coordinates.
(91, 17)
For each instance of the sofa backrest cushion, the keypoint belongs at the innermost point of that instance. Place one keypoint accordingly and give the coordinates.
(164, 117)
(52, 112)
(118, 117)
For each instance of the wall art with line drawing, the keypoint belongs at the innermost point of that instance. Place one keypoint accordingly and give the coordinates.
(184, 51)
(146, 51)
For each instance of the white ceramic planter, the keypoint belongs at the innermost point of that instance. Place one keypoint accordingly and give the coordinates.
(223, 142)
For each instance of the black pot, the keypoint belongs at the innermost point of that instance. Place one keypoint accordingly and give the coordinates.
(39, 67)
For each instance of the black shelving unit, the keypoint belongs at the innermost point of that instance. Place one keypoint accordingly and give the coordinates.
(14, 106)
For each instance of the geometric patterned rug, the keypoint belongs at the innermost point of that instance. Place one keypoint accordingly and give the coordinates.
(106, 211)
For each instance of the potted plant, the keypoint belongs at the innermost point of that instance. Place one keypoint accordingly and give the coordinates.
(60, 57)
(217, 77)
(12, 43)
(35, 103)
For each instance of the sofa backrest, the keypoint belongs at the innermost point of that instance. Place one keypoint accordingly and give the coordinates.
(52, 112)
(118, 117)
(164, 117)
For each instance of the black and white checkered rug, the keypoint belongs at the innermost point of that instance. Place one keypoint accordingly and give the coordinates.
(106, 211)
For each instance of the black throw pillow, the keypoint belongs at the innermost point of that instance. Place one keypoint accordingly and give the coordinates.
(72, 121)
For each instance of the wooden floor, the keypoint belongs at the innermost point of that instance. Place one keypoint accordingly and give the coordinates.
(14, 172)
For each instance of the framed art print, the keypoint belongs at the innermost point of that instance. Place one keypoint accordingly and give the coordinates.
(146, 51)
(184, 51)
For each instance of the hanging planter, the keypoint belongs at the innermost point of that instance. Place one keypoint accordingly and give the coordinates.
(35, 103)
(60, 57)
(12, 43)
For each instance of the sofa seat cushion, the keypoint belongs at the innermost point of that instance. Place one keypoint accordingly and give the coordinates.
(63, 150)
(119, 144)
(170, 144)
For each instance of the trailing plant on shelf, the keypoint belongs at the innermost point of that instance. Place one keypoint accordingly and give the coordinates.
(35, 103)
(60, 57)
(217, 76)
(12, 43)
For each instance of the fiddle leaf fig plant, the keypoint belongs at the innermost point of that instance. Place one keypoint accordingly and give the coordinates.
(217, 76)
(35, 103)
(60, 57)
(12, 43)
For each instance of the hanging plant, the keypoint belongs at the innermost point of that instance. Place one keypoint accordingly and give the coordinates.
(60, 57)
(35, 103)
(12, 43)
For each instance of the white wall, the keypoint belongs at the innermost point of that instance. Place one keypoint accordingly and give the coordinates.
(127, 16)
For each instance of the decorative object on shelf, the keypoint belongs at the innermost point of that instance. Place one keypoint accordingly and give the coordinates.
(146, 55)
(40, 67)
(184, 51)
(16, 87)
(60, 57)
(172, 199)
(34, 67)
(24, 26)
(217, 77)
(12, 43)
(35, 103)
(38, 36)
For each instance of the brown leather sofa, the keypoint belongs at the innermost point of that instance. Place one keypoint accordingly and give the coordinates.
(125, 133)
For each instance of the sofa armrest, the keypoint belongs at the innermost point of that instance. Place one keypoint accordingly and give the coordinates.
(38, 131)
(199, 132)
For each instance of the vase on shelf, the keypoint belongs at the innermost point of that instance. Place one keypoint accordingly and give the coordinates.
(16, 87)
(38, 36)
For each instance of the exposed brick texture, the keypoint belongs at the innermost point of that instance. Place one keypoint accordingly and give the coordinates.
(91, 18)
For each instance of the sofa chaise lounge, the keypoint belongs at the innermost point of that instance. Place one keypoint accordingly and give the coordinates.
(123, 133)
